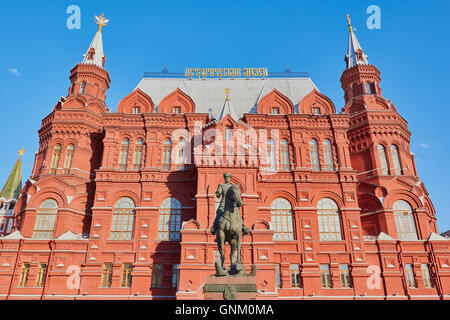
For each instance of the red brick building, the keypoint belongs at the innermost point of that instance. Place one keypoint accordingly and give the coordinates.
(126, 199)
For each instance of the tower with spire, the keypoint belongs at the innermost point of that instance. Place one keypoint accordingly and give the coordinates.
(89, 79)
(379, 142)
(9, 196)
(359, 78)
(70, 144)
(227, 109)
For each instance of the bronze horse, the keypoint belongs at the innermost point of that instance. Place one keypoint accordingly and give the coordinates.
(230, 226)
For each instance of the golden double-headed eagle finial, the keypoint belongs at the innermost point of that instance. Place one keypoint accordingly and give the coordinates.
(101, 21)
(349, 23)
(21, 152)
(227, 92)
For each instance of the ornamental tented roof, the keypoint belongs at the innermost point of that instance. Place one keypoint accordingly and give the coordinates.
(209, 94)
(227, 109)
(13, 186)
(352, 52)
(97, 46)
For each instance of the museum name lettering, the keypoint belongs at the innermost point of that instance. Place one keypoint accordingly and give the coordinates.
(225, 72)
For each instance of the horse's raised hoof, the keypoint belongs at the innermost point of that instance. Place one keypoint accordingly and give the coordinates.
(220, 272)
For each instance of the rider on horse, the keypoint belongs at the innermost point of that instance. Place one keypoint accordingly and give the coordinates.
(221, 191)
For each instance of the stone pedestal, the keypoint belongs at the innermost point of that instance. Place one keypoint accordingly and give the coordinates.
(230, 288)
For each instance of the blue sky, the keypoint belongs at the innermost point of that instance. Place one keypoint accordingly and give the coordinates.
(411, 51)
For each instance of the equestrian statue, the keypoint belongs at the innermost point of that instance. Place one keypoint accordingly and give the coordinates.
(229, 227)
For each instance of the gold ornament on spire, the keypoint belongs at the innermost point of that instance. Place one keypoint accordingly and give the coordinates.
(227, 91)
(349, 23)
(101, 21)
(21, 152)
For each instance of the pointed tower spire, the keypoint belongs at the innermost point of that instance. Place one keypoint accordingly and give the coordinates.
(89, 78)
(226, 108)
(359, 79)
(13, 186)
(355, 55)
(94, 54)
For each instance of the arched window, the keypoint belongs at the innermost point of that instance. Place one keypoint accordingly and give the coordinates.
(45, 221)
(180, 154)
(69, 157)
(136, 109)
(284, 151)
(404, 220)
(176, 110)
(55, 159)
(314, 155)
(83, 87)
(329, 220)
(169, 220)
(383, 160)
(167, 154)
(228, 134)
(137, 161)
(281, 214)
(123, 160)
(328, 155)
(271, 153)
(175, 275)
(123, 219)
(396, 160)
(368, 88)
(316, 111)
